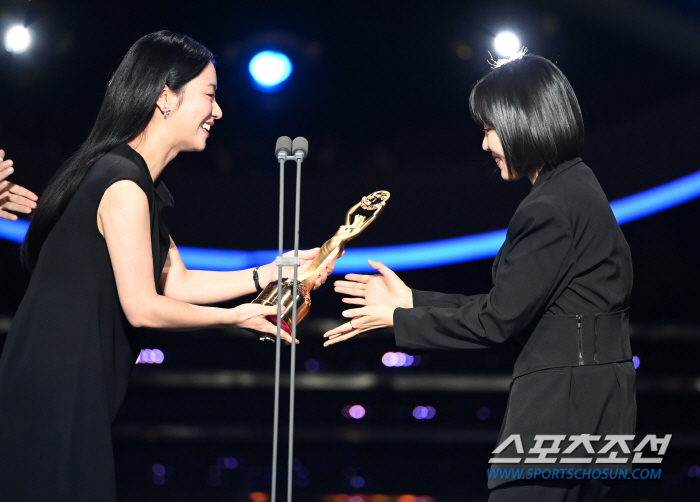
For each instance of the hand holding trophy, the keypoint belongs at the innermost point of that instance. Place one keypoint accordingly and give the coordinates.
(355, 223)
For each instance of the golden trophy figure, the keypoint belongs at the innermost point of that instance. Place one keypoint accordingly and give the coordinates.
(329, 251)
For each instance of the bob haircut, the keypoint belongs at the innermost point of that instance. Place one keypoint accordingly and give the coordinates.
(160, 59)
(530, 104)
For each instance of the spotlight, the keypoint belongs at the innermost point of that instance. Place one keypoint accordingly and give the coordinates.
(506, 44)
(269, 70)
(17, 39)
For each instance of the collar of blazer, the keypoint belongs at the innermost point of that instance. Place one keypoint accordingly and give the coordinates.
(550, 173)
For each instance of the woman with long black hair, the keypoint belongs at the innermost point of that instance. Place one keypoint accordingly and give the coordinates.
(561, 285)
(104, 266)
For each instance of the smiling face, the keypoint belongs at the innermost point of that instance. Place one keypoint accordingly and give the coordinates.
(189, 121)
(492, 143)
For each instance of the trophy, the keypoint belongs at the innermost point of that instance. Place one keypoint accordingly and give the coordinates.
(329, 251)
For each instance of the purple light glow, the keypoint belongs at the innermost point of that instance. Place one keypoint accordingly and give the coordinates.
(312, 366)
(399, 359)
(230, 463)
(694, 472)
(357, 482)
(423, 412)
(159, 480)
(390, 359)
(150, 356)
(483, 413)
(158, 470)
(356, 412)
(636, 362)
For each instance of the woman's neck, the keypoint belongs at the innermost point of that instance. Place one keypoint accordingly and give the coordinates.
(156, 153)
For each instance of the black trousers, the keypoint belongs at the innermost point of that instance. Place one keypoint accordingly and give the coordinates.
(588, 491)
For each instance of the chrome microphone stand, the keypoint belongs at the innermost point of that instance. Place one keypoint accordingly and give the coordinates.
(285, 150)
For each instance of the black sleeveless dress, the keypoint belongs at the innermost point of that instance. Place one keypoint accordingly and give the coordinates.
(70, 350)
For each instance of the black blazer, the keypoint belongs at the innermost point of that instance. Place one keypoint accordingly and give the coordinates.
(563, 264)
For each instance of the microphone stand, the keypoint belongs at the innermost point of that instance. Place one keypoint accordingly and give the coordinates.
(284, 150)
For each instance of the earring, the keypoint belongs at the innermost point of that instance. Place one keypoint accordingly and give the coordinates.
(166, 112)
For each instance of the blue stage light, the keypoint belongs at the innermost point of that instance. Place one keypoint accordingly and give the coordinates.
(421, 255)
(269, 70)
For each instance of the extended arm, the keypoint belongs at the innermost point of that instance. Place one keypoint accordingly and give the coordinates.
(123, 219)
(539, 252)
(207, 287)
(530, 273)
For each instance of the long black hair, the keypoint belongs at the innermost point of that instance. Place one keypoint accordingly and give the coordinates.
(530, 104)
(154, 61)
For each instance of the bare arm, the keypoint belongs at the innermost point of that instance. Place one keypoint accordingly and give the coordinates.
(206, 287)
(123, 219)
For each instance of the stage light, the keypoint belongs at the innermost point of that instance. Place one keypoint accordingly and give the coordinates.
(506, 44)
(357, 482)
(483, 413)
(17, 39)
(636, 362)
(312, 366)
(270, 69)
(356, 412)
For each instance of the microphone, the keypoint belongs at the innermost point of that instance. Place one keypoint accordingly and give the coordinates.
(284, 144)
(300, 145)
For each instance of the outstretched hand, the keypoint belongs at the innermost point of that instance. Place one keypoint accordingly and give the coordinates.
(363, 319)
(380, 295)
(13, 197)
(384, 288)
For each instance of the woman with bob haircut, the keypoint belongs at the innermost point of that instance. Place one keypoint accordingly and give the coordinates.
(561, 287)
(104, 268)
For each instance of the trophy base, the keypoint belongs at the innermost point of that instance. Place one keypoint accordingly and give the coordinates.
(270, 296)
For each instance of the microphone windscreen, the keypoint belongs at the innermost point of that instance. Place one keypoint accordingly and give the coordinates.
(284, 143)
(300, 143)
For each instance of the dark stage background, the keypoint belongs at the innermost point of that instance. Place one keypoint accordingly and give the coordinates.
(381, 92)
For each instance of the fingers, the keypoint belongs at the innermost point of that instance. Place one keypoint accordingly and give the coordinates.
(6, 169)
(23, 193)
(337, 339)
(358, 278)
(7, 216)
(355, 301)
(381, 268)
(306, 254)
(17, 208)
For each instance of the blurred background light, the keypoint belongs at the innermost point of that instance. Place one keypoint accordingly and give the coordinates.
(357, 482)
(270, 69)
(423, 412)
(312, 366)
(356, 411)
(483, 413)
(636, 362)
(17, 39)
(506, 44)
